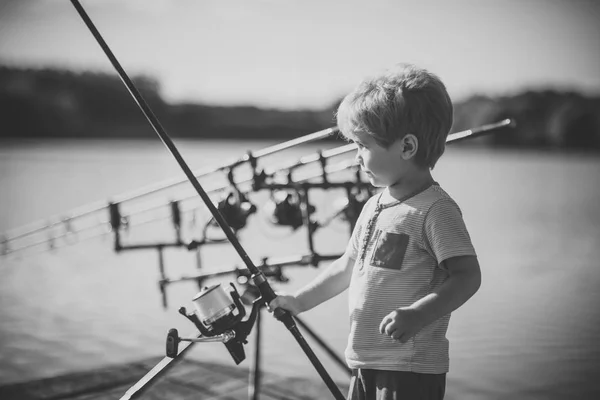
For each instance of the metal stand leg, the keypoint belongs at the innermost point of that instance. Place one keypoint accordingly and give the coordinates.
(324, 345)
(254, 376)
(198, 266)
(163, 277)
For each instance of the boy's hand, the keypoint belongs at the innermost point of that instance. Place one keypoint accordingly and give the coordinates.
(287, 302)
(402, 324)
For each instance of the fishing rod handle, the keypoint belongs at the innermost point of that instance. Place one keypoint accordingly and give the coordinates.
(331, 385)
(268, 294)
(286, 317)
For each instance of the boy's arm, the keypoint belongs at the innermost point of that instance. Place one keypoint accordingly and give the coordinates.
(463, 282)
(331, 282)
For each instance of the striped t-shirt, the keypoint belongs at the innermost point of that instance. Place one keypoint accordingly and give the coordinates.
(399, 247)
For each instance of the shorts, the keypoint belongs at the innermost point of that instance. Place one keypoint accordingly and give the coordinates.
(372, 384)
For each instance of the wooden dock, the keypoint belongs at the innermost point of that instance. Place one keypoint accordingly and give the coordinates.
(187, 380)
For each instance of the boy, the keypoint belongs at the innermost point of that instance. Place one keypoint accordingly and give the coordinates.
(410, 261)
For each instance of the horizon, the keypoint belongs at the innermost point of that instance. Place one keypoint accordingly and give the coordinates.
(238, 60)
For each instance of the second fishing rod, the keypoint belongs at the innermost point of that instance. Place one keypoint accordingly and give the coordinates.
(265, 289)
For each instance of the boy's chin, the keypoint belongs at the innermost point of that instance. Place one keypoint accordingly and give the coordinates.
(375, 182)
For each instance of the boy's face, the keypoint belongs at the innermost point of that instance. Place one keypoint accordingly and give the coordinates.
(384, 167)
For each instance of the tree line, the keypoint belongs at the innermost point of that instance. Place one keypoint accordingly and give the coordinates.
(48, 103)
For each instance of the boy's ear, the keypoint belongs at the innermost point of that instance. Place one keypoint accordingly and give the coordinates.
(410, 145)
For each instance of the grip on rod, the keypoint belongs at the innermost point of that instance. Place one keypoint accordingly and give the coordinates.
(268, 295)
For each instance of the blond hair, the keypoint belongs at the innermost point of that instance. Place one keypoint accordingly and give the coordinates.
(404, 99)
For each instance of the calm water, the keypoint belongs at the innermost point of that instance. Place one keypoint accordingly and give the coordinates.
(531, 332)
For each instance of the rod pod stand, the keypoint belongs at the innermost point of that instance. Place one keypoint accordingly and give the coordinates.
(258, 278)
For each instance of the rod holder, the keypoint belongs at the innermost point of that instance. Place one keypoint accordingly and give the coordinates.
(115, 224)
(176, 219)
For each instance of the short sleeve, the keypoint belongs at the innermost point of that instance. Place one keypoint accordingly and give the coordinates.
(445, 233)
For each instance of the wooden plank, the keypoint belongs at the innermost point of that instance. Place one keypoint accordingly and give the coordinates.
(189, 379)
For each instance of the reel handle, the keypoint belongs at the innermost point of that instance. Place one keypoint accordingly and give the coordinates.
(173, 339)
(172, 343)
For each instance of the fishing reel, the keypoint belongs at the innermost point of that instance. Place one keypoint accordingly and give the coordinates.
(354, 203)
(348, 208)
(219, 318)
(236, 208)
(286, 209)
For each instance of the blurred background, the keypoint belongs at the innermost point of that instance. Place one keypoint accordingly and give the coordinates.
(227, 77)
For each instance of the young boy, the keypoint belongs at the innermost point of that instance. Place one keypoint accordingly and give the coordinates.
(410, 261)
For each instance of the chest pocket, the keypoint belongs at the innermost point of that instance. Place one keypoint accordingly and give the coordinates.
(389, 250)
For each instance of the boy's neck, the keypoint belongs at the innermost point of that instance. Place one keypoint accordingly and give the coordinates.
(408, 185)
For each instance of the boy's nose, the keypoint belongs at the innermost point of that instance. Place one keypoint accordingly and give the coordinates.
(357, 158)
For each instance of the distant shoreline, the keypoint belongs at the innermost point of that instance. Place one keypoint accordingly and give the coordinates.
(50, 103)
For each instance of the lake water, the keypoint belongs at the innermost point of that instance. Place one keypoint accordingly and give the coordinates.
(531, 332)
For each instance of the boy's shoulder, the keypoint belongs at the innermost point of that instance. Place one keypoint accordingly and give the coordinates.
(435, 203)
(434, 195)
(419, 203)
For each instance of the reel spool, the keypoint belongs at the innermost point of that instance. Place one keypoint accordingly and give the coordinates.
(216, 310)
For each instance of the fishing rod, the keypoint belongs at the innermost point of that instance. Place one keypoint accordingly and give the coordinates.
(11, 241)
(98, 206)
(80, 226)
(258, 278)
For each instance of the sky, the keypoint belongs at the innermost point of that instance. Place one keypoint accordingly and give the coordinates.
(308, 53)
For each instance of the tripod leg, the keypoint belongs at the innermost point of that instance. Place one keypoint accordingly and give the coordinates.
(324, 345)
(254, 377)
